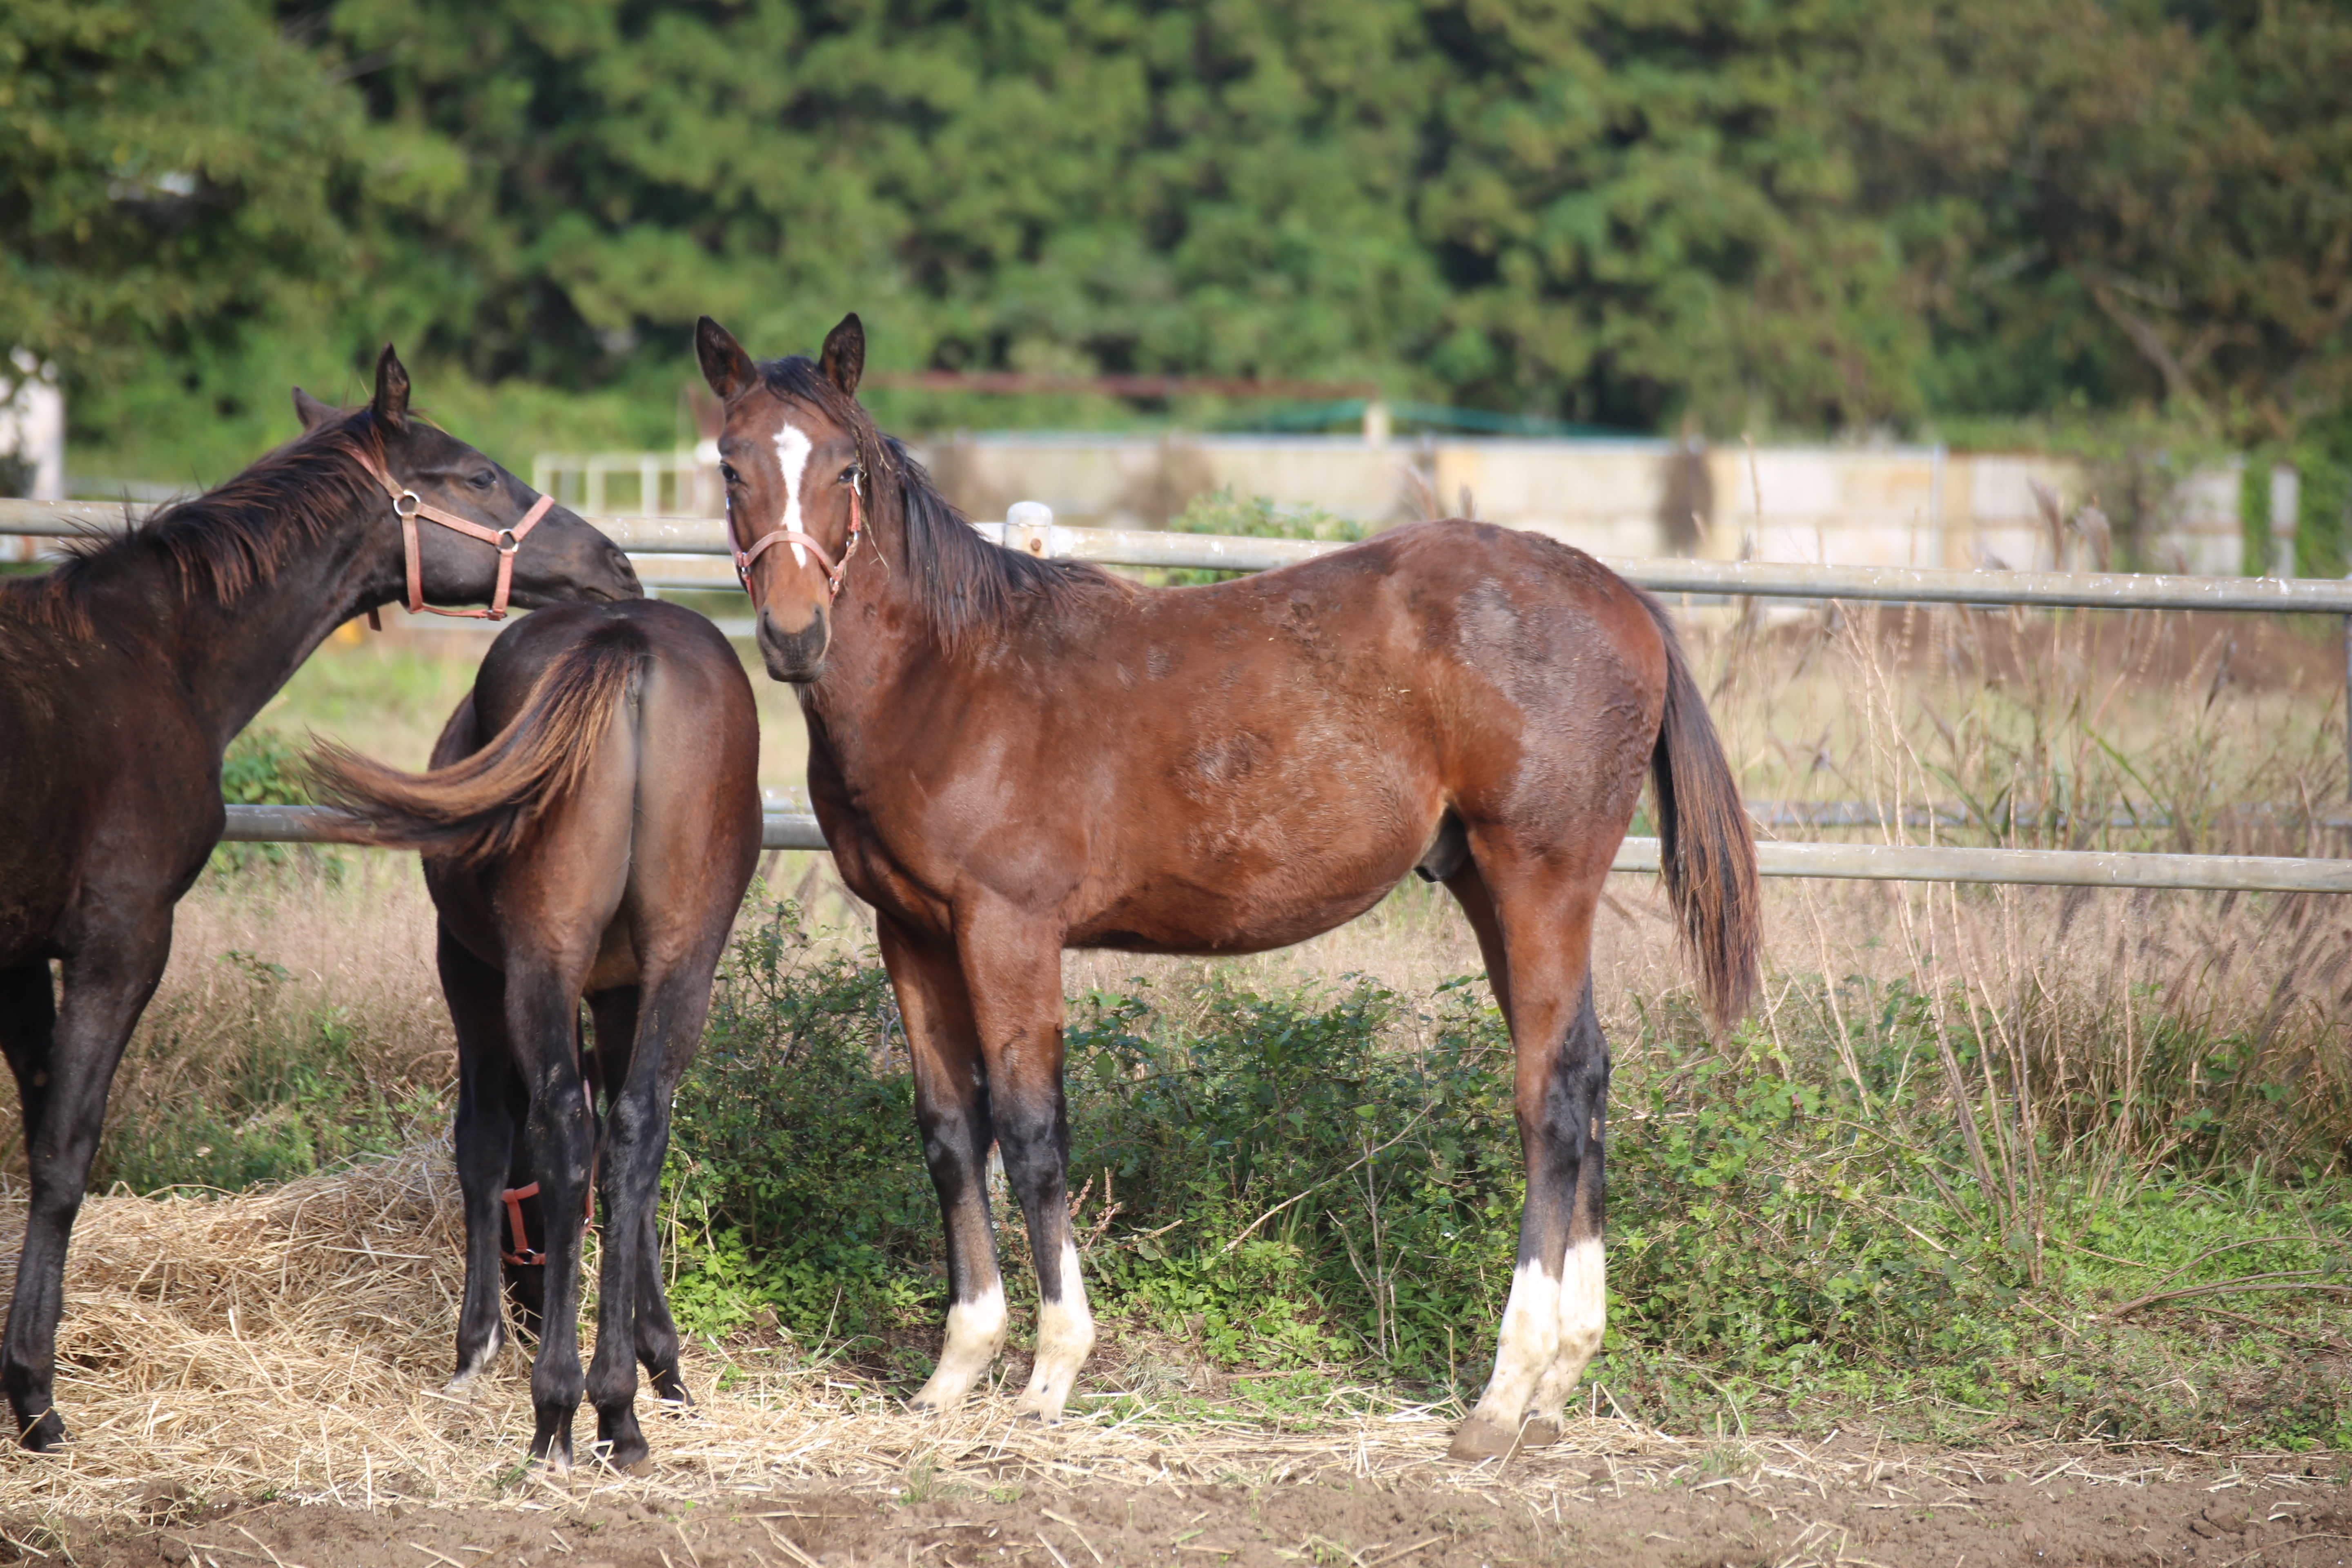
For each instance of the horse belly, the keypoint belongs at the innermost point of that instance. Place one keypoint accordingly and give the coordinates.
(1246, 909)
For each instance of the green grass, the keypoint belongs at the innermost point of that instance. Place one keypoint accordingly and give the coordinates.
(1323, 1183)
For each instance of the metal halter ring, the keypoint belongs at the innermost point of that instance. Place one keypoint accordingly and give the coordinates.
(507, 541)
(415, 503)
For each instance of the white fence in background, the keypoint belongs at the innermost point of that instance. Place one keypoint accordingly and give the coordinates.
(1859, 506)
(679, 542)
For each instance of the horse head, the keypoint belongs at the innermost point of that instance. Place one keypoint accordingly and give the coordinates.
(795, 452)
(498, 540)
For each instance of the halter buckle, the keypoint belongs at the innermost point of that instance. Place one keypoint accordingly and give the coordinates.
(407, 504)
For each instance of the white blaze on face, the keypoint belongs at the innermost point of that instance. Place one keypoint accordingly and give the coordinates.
(793, 447)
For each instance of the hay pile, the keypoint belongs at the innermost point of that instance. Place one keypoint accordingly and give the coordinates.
(293, 1343)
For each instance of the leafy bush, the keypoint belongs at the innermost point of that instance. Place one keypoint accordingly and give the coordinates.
(263, 767)
(1331, 1176)
(246, 1085)
(1258, 517)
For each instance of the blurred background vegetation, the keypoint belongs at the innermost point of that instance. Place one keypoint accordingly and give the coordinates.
(1977, 219)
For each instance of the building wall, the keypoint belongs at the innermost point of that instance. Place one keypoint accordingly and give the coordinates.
(1902, 506)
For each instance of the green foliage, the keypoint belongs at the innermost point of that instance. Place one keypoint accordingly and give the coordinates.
(2321, 505)
(168, 177)
(1293, 1182)
(1607, 211)
(263, 767)
(1303, 1177)
(246, 1086)
(1259, 517)
(794, 1160)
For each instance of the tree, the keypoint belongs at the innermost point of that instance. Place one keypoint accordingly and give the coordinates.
(168, 175)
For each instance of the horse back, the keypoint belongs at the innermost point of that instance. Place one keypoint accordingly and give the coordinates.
(1238, 766)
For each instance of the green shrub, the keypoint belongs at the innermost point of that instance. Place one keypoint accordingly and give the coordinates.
(1329, 1177)
(263, 767)
(251, 1085)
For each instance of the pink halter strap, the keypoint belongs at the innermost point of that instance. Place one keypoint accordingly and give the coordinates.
(743, 558)
(408, 505)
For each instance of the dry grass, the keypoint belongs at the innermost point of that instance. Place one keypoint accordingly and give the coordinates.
(292, 1343)
(292, 1340)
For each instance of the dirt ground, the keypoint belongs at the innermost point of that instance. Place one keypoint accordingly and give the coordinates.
(1845, 1502)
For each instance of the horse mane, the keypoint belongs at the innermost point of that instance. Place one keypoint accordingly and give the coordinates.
(223, 543)
(963, 584)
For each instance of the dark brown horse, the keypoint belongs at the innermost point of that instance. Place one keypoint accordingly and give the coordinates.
(1012, 757)
(589, 827)
(123, 674)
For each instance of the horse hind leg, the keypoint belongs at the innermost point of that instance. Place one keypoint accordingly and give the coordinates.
(1541, 927)
(668, 1012)
(657, 1341)
(483, 1136)
(1584, 1278)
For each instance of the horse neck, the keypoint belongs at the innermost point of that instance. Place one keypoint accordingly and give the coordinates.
(882, 641)
(228, 660)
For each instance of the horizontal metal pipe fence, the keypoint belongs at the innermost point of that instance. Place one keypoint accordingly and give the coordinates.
(1866, 862)
(668, 550)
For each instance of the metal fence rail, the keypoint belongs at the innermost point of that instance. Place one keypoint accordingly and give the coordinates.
(668, 553)
(678, 552)
(1865, 862)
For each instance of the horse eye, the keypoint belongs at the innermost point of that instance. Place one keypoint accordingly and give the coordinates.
(850, 476)
(484, 479)
(727, 472)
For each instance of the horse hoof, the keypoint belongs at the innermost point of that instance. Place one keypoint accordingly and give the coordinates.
(1541, 1431)
(1481, 1437)
(669, 1389)
(46, 1436)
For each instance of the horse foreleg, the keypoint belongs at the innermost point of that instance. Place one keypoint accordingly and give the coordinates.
(1542, 924)
(953, 1108)
(28, 1019)
(106, 986)
(482, 1136)
(1014, 974)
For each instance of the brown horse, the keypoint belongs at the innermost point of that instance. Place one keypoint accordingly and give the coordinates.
(124, 673)
(589, 827)
(1012, 757)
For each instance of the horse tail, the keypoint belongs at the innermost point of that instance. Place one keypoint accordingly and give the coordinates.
(1706, 850)
(482, 807)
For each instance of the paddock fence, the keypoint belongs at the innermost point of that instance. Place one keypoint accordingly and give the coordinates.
(689, 554)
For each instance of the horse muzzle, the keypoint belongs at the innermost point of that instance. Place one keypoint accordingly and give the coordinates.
(797, 657)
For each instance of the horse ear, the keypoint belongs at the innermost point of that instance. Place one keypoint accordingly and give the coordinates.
(725, 365)
(310, 411)
(390, 403)
(843, 359)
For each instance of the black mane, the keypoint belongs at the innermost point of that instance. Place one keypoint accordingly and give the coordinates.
(222, 543)
(964, 583)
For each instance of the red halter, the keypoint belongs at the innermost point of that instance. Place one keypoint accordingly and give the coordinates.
(408, 505)
(743, 558)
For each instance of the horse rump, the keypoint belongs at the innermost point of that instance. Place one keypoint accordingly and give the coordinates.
(483, 807)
